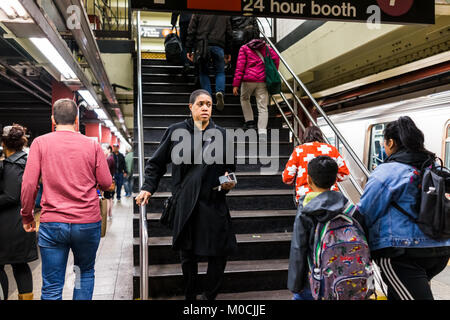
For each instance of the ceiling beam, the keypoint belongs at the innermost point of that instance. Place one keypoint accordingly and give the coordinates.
(88, 45)
(51, 33)
(17, 83)
(25, 79)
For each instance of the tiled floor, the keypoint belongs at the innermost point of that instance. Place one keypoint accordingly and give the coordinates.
(114, 267)
(114, 264)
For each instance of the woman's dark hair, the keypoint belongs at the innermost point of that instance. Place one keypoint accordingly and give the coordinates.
(15, 139)
(406, 135)
(196, 94)
(312, 134)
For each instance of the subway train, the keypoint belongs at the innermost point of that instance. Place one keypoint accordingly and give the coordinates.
(363, 128)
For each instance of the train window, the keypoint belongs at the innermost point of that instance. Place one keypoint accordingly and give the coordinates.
(447, 147)
(377, 155)
(334, 141)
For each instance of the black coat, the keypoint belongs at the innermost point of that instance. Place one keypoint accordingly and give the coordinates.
(16, 245)
(217, 28)
(202, 221)
(119, 160)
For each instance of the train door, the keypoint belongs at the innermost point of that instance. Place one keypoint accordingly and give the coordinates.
(447, 145)
(377, 155)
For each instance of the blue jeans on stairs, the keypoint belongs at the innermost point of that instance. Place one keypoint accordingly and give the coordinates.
(217, 56)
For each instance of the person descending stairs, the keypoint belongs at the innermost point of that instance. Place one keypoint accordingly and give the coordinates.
(261, 206)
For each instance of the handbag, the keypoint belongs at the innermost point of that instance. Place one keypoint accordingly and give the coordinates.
(170, 204)
(104, 214)
(273, 80)
(173, 48)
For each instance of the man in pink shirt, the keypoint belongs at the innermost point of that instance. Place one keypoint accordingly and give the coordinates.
(71, 166)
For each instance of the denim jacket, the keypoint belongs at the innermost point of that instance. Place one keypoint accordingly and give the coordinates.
(387, 226)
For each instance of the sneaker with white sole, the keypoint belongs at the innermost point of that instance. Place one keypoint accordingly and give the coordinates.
(220, 102)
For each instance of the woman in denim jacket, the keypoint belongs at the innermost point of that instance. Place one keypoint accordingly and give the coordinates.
(408, 259)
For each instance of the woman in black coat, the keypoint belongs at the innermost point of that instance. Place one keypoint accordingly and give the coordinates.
(17, 247)
(202, 222)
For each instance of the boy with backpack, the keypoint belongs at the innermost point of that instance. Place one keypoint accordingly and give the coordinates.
(329, 257)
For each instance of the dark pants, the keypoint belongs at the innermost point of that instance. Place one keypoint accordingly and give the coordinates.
(118, 177)
(409, 278)
(214, 275)
(183, 37)
(22, 275)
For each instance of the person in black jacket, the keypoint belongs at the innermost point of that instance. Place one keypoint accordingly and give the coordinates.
(121, 170)
(244, 29)
(17, 247)
(185, 18)
(202, 222)
(216, 30)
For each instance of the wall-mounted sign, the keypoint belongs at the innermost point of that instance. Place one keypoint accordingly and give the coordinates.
(382, 11)
(156, 31)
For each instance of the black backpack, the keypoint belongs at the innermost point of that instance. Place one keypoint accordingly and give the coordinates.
(173, 48)
(434, 203)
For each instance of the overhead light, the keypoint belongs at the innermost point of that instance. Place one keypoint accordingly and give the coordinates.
(49, 51)
(109, 123)
(87, 96)
(101, 115)
(13, 9)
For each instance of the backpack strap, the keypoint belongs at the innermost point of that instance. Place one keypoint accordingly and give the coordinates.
(397, 206)
(350, 209)
(260, 55)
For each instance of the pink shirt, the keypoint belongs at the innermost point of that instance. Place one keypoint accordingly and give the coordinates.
(71, 165)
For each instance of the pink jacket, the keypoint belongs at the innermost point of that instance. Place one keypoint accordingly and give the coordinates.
(249, 66)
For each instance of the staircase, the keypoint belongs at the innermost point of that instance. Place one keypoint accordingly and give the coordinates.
(262, 207)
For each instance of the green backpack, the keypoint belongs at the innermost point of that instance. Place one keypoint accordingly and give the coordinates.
(273, 80)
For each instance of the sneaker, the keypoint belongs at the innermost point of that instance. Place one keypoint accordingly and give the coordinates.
(249, 125)
(220, 102)
(263, 137)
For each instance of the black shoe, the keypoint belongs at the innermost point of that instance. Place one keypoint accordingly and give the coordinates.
(219, 100)
(185, 70)
(249, 125)
(203, 297)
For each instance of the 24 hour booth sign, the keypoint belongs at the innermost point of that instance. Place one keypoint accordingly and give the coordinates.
(383, 11)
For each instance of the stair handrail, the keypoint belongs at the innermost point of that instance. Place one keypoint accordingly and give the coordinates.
(143, 231)
(317, 106)
(351, 178)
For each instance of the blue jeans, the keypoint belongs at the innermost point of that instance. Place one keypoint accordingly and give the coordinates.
(126, 185)
(118, 177)
(217, 56)
(305, 294)
(55, 239)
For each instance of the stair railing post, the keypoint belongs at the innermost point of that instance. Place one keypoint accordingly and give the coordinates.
(296, 110)
(143, 231)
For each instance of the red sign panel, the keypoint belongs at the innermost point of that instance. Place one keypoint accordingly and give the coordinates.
(228, 5)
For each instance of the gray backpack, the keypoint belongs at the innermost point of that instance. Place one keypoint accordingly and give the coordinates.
(341, 268)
